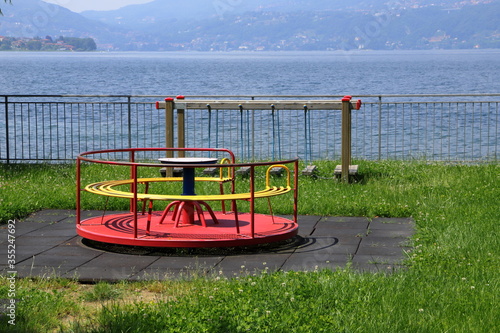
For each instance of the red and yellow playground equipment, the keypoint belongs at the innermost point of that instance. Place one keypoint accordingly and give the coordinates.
(188, 220)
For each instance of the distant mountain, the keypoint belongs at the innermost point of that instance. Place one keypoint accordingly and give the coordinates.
(149, 13)
(174, 10)
(30, 18)
(224, 25)
(323, 25)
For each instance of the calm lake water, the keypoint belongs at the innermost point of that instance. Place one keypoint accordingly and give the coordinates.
(438, 131)
(285, 73)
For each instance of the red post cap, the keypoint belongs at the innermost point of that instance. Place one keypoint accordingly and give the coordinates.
(181, 97)
(346, 98)
(169, 99)
(358, 104)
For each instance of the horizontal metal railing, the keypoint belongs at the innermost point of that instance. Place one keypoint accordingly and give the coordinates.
(437, 127)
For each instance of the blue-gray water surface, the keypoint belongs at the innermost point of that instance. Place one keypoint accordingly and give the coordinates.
(242, 73)
(438, 131)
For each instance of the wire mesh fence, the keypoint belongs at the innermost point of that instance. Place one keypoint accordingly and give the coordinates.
(431, 127)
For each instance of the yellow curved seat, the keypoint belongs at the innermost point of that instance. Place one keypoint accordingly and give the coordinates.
(107, 188)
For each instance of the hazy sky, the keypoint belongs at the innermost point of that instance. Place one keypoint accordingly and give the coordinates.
(81, 5)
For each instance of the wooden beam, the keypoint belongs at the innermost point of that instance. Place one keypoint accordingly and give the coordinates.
(346, 138)
(186, 104)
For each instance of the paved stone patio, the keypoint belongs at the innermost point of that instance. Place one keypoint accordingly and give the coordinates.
(46, 244)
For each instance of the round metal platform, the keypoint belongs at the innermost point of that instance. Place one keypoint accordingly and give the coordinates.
(119, 229)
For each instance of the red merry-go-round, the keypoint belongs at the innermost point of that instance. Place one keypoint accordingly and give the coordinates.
(186, 218)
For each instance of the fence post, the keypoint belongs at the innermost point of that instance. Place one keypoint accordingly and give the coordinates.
(129, 108)
(181, 132)
(253, 133)
(379, 127)
(7, 144)
(346, 138)
(169, 131)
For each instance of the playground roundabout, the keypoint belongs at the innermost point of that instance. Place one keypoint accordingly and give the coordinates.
(188, 220)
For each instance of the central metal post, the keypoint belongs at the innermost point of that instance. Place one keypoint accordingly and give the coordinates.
(181, 132)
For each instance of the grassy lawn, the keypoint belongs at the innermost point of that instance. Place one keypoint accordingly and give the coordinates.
(451, 283)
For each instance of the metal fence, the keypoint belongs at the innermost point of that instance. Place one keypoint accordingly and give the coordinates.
(35, 128)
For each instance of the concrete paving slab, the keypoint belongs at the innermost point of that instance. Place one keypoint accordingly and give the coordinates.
(307, 224)
(25, 271)
(376, 226)
(390, 233)
(41, 239)
(47, 245)
(377, 259)
(73, 247)
(183, 263)
(93, 274)
(51, 259)
(250, 264)
(375, 241)
(111, 267)
(391, 221)
(24, 253)
(328, 245)
(379, 251)
(60, 229)
(50, 215)
(341, 226)
(346, 219)
(315, 261)
(21, 228)
(398, 227)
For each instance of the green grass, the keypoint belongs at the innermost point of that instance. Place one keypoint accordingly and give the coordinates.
(451, 283)
(102, 292)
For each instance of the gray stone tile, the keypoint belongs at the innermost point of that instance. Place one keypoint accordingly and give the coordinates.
(50, 215)
(52, 271)
(111, 267)
(386, 222)
(377, 259)
(350, 220)
(21, 229)
(244, 265)
(315, 261)
(52, 248)
(390, 233)
(397, 227)
(73, 247)
(41, 240)
(375, 241)
(184, 263)
(59, 229)
(388, 227)
(25, 252)
(379, 251)
(94, 274)
(328, 245)
(307, 224)
(55, 260)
